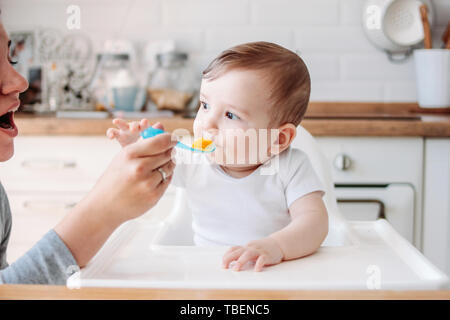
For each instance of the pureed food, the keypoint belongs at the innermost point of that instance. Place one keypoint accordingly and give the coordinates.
(202, 144)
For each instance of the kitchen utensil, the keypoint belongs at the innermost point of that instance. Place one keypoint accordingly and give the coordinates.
(206, 147)
(446, 36)
(395, 26)
(432, 68)
(426, 26)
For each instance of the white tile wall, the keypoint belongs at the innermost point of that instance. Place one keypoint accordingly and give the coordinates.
(295, 13)
(343, 64)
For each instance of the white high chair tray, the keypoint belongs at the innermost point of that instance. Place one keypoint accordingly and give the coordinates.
(369, 255)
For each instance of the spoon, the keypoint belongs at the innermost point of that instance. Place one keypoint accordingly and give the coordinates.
(199, 145)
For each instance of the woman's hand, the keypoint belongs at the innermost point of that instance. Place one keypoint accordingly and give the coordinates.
(262, 252)
(129, 187)
(127, 133)
(132, 184)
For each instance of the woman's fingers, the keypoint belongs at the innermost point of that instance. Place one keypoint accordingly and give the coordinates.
(151, 146)
(147, 170)
(161, 188)
(160, 160)
(168, 169)
(156, 177)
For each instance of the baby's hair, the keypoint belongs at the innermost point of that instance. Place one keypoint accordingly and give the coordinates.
(285, 71)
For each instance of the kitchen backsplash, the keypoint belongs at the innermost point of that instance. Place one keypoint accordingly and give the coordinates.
(344, 66)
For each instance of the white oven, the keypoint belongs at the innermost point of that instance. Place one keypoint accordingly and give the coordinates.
(378, 177)
(393, 202)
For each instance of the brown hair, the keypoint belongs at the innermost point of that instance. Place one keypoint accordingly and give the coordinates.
(288, 74)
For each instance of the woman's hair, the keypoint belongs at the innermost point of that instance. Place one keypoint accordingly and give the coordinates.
(285, 71)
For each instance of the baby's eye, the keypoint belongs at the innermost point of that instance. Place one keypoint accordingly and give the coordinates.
(205, 106)
(231, 116)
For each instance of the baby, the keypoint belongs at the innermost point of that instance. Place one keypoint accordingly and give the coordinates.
(258, 195)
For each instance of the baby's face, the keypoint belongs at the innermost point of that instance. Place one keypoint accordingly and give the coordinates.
(235, 113)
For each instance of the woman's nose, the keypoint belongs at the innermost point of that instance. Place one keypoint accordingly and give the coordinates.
(13, 82)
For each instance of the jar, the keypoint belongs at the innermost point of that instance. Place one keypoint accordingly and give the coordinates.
(173, 85)
(114, 85)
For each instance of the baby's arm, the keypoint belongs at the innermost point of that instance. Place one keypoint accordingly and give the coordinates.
(127, 133)
(301, 237)
(307, 230)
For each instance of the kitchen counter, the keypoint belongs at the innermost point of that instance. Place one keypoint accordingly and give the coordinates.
(321, 119)
(61, 292)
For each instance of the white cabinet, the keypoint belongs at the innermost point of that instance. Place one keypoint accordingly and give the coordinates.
(34, 214)
(436, 210)
(48, 175)
(57, 163)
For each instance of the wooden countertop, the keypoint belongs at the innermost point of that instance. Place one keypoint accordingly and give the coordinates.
(61, 292)
(321, 119)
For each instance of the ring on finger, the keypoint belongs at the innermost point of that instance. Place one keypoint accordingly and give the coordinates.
(163, 174)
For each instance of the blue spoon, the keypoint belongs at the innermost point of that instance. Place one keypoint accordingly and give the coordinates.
(151, 132)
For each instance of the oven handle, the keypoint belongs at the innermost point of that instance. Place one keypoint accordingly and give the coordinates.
(381, 212)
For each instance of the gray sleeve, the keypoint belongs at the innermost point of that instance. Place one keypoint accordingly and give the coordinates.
(5, 228)
(49, 261)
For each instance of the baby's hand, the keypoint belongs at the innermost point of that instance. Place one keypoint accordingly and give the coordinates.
(263, 252)
(127, 133)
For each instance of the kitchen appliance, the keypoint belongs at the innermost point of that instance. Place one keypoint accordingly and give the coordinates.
(395, 26)
(378, 177)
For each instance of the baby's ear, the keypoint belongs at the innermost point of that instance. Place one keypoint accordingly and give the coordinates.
(286, 134)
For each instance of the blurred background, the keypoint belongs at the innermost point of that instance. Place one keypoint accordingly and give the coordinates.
(328, 34)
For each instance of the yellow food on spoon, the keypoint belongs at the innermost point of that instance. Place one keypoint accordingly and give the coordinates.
(201, 144)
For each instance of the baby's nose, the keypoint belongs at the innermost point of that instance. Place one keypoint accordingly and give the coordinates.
(209, 134)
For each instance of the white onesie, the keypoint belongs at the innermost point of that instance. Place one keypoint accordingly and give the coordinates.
(233, 211)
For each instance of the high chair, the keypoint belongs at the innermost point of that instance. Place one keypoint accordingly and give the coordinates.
(355, 255)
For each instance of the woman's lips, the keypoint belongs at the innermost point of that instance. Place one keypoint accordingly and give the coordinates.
(15, 105)
(13, 131)
(12, 107)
